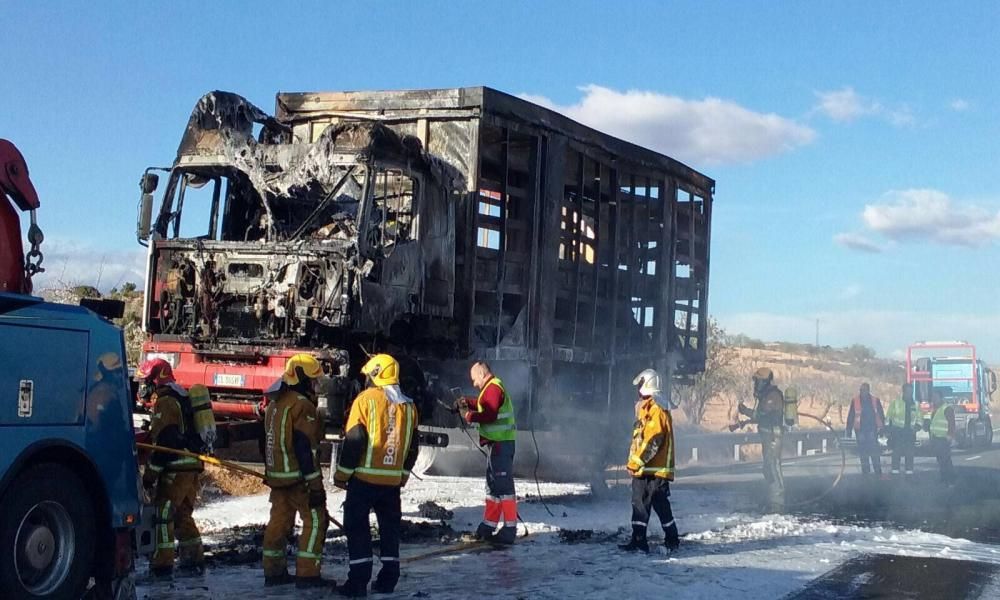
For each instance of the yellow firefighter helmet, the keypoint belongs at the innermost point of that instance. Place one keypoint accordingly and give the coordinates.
(382, 369)
(764, 374)
(309, 365)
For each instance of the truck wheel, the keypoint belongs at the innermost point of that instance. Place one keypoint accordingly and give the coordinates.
(47, 535)
(988, 437)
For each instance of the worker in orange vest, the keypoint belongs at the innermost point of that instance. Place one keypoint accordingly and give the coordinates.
(867, 420)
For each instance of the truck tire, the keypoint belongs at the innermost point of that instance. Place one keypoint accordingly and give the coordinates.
(47, 535)
(988, 436)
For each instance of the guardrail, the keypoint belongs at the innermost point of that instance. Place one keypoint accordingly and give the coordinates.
(734, 447)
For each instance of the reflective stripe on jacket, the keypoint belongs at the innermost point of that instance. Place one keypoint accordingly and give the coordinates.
(503, 429)
(168, 429)
(939, 422)
(652, 450)
(875, 404)
(389, 431)
(291, 412)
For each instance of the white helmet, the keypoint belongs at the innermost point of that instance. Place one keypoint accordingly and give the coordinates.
(648, 382)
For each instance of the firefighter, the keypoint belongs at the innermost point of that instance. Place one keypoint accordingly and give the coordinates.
(380, 447)
(493, 413)
(651, 464)
(769, 413)
(866, 420)
(942, 435)
(175, 478)
(902, 423)
(292, 434)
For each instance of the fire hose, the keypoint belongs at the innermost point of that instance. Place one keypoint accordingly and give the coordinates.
(218, 462)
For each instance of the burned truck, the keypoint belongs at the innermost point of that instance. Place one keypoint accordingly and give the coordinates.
(442, 226)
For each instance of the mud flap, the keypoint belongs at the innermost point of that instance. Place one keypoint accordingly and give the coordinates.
(144, 535)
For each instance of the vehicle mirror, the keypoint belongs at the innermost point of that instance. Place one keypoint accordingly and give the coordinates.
(145, 216)
(993, 381)
(149, 182)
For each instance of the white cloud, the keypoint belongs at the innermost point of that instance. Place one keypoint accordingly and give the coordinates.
(932, 215)
(884, 330)
(72, 262)
(857, 241)
(706, 131)
(958, 105)
(846, 105)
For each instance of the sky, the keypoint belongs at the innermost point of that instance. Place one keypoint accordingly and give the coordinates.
(855, 145)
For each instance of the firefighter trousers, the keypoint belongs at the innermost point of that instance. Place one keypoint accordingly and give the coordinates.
(174, 503)
(770, 444)
(650, 492)
(286, 502)
(362, 499)
(501, 500)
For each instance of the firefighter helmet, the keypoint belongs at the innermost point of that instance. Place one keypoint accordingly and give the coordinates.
(764, 374)
(648, 382)
(306, 363)
(382, 369)
(155, 371)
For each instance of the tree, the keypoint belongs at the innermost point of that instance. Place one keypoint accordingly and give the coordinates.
(714, 380)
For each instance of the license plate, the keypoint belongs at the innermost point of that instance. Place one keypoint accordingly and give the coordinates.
(229, 380)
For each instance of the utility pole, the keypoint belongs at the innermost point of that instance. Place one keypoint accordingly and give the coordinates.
(817, 334)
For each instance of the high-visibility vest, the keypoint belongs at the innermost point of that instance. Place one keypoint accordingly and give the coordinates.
(939, 422)
(857, 413)
(503, 429)
(896, 417)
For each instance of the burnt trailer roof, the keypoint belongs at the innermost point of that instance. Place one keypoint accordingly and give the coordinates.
(474, 102)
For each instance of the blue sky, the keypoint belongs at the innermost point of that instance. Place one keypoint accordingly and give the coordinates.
(855, 145)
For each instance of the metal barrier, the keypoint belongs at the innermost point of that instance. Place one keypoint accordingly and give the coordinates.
(727, 447)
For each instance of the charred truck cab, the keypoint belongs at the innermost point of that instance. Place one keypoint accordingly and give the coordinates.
(441, 226)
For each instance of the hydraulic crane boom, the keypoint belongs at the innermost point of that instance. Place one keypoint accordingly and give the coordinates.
(16, 188)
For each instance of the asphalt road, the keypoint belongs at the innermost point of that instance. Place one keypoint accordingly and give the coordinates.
(970, 508)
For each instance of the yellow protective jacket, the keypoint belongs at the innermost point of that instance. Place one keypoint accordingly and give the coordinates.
(291, 440)
(380, 443)
(652, 451)
(169, 429)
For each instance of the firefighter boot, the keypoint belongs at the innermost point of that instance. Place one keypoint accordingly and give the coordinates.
(387, 578)
(637, 543)
(353, 589)
(671, 540)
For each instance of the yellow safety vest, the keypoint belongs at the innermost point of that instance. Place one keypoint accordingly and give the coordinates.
(939, 422)
(503, 429)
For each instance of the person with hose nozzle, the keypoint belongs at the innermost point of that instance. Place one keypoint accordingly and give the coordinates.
(651, 464)
(174, 478)
(493, 413)
(292, 432)
(379, 450)
(866, 420)
(769, 415)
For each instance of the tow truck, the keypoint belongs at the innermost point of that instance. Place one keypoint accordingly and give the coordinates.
(954, 369)
(71, 515)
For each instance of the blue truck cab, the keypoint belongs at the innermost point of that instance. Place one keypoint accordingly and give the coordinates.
(70, 499)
